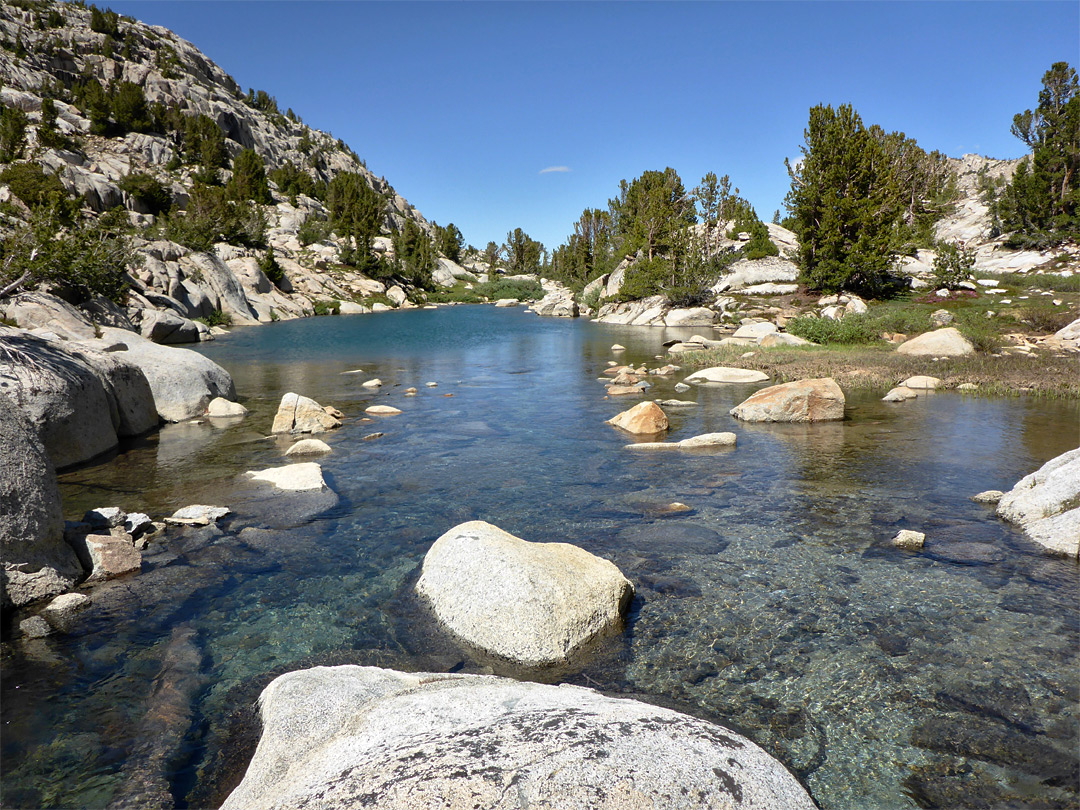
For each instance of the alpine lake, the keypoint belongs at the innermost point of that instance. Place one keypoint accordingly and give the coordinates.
(775, 605)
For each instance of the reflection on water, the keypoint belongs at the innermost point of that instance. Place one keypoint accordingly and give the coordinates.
(882, 678)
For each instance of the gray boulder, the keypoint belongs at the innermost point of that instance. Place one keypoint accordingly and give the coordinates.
(37, 562)
(125, 384)
(35, 310)
(947, 342)
(166, 327)
(218, 277)
(1047, 504)
(532, 603)
(60, 394)
(183, 382)
(350, 737)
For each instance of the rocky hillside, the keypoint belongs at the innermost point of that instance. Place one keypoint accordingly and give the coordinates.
(52, 50)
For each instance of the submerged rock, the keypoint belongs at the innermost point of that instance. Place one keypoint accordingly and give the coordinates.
(899, 394)
(531, 603)
(382, 410)
(197, 515)
(347, 737)
(302, 477)
(802, 401)
(63, 611)
(705, 440)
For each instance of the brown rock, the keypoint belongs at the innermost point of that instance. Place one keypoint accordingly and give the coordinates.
(644, 418)
(801, 401)
(623, 390)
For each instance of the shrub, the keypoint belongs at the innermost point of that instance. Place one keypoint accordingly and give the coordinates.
(953, 264)
(851, 329)
(81, 262)
(211, 218)
(1045, 320)
(270, 267)
(312, 230)
(217, 318)
(330, 307)
(150, 192)
(12, 134)
(104, 22)
(30, 183)
(521, 289)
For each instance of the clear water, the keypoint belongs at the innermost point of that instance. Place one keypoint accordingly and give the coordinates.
(882, 678)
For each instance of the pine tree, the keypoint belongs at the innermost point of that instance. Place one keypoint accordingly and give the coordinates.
(1042, 200)
(357, 211)
(839, 208)
(248, 181)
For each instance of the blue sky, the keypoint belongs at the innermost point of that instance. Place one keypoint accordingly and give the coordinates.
(462, 105)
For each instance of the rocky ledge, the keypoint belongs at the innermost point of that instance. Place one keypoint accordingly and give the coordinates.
(351, 737)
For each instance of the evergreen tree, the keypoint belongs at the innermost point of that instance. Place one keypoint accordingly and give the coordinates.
(357, 211)
(838, 206)
(1041, 202)
(248, 181)
(522, 252)
(414, 255)
(652, 209)
(12, 134)
(449, 241)
(129, 109)
(491, 256)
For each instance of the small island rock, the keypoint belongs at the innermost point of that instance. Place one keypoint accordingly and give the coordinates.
(531, 603)
(801, 401)
(220, 407)
(643, 418)
(308, 447)
(297, 414)
(302, 477)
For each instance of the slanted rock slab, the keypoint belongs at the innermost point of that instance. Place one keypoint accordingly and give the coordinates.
(643, 418)
(531, 603)
(302, 477)
(946, 342)
(722, 374)
(801, 401)
(340, 736)
(197, 515)
(1047, 504)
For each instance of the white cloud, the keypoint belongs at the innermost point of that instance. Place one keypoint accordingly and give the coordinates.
(551, 169)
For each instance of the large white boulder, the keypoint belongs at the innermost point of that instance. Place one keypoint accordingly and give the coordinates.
(183, 382)
(1046, 504)
(37, 563)
(801, 401)
(531, 603)
(946, 342)
(349, 737)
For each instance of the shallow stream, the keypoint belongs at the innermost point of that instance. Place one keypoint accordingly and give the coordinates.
(775, 606)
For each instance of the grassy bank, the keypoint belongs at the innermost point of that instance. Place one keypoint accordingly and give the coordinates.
(879, 367)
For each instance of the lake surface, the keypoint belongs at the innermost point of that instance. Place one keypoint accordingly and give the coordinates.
(881, 678)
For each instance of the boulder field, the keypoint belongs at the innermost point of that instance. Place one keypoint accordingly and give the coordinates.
(350, 737)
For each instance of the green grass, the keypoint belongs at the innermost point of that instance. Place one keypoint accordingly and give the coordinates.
(458, 294)
(500, 288)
